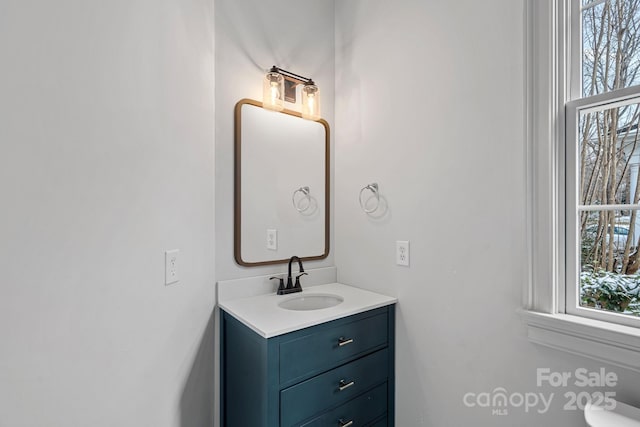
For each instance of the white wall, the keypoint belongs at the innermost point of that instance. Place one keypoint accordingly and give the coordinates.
(429, 104)
(251, 36)
(106, 128)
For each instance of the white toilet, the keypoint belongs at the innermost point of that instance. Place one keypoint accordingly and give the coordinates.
(622, 415)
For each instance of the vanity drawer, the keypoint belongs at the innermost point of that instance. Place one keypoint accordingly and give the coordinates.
(320, 350)
(380, 423)
(333, 388)
(359, 411)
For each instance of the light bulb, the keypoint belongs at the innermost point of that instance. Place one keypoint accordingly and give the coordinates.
(275, 93)
(311, 101)
(272, 89)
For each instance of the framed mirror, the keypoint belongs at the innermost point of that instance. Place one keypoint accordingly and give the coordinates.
(281, 186)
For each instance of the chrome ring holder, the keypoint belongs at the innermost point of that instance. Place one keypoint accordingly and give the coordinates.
(306, 195)
(373, 187)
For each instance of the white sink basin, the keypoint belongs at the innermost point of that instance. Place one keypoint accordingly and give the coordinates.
(311, 302)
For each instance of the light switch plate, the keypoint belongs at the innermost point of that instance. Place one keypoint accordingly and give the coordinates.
(171, 264)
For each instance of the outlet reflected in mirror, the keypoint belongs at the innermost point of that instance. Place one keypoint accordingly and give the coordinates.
(281, 186)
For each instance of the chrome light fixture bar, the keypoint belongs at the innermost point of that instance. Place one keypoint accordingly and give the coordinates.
(280, 85)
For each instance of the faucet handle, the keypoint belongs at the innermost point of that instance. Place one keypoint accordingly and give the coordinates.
(297, 285)
(281, 285)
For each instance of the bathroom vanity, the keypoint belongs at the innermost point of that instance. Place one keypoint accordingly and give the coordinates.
(308, 367)
(320, 356)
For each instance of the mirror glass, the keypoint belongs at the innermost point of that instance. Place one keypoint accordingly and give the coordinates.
(281, 186)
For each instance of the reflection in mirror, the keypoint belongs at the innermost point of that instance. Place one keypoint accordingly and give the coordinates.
(281, 186)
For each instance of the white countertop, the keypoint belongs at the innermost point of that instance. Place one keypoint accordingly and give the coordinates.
(262, 314)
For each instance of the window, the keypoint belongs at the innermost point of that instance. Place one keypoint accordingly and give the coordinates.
(583, 111)
(602, 162)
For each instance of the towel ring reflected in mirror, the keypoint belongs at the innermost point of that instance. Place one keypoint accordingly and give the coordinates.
(375, 195)
(301, 199)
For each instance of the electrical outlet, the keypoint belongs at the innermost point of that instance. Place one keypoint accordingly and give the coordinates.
(272, 239)
(402, 252)
(171, 267)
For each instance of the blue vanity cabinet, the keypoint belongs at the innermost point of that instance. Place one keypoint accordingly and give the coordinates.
(339, 373)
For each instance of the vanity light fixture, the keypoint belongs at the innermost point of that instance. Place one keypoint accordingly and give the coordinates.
(280, 85)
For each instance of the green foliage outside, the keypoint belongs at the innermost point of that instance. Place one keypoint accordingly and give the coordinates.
(610, 291)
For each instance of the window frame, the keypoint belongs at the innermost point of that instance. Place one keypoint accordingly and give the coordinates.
(573, 109)
(547, 70)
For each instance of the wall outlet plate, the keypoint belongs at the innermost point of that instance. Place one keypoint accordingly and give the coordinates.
(402, 253)
(171, 265)
(272, 239)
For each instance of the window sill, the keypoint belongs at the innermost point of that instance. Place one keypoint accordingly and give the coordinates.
(606, 342)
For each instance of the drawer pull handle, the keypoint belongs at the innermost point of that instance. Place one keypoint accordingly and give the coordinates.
(344, 423)
(345, 385)
(342, 341)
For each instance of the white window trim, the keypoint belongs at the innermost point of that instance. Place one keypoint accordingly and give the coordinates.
(611, 343)
(546, 93)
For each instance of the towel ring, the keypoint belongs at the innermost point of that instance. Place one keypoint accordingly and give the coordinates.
(305, 196)
(373, 187)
